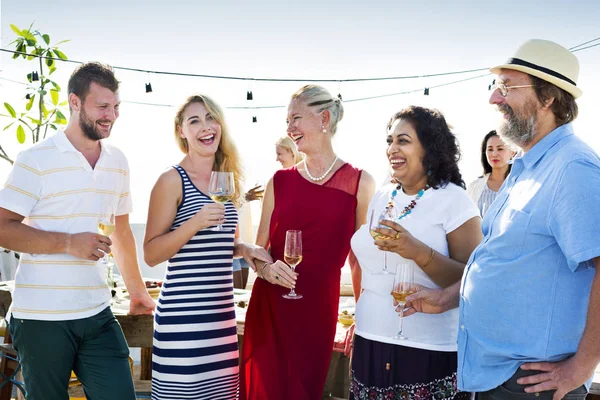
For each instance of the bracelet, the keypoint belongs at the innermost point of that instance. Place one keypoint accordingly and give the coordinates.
(430, 258)
(262, 269)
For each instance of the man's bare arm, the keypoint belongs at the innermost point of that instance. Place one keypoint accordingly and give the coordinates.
(17, 236)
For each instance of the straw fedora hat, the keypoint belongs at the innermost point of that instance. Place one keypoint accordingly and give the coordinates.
(548, 61)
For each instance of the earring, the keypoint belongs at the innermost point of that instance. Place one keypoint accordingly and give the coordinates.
(323, 129)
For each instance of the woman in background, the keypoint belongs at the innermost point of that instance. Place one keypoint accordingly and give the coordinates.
(195, 351)
(287, 153)
(495, 157)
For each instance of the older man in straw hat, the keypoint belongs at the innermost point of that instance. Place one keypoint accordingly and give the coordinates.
(530, 295)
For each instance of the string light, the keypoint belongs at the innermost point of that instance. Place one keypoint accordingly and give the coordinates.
(249, 95)
(573, 49)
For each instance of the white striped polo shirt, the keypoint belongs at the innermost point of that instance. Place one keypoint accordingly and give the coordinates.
(54, 187)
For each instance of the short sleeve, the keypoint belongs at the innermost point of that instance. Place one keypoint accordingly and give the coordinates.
(23, 187)
(574, 217)
(125, 205)
(459, 208)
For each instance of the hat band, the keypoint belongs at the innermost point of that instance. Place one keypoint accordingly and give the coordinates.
(518, 61)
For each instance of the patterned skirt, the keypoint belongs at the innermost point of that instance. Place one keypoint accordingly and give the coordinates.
(383, 371)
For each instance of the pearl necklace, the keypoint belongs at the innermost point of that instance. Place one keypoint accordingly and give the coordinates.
(320, 178)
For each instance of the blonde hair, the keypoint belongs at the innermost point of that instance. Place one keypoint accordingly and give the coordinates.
(318, 97)
(227, 157)
(288, 144)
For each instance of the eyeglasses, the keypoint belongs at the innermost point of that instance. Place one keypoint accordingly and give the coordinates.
(503, 89)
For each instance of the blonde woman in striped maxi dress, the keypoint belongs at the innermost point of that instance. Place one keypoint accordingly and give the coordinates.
(195, 352)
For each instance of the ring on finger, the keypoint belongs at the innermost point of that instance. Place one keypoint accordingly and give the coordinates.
(397, 235)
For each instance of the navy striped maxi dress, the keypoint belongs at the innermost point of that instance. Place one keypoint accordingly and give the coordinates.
(195, 348)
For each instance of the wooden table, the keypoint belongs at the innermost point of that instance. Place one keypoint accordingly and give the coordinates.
(139, 331)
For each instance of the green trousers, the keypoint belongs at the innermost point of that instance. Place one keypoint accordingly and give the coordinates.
(93, 347)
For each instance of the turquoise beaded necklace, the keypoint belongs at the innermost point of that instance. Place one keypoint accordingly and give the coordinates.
(408, 209)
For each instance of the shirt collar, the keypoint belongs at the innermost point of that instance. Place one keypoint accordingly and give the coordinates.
(536, 153)
(63, 144)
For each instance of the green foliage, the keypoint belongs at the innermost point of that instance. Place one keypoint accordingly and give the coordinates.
(42, 105)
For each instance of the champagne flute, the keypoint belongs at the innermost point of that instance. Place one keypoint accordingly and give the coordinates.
(106, 227)
(404, 286)
(293, 256)
(374, 222)
(221, 189)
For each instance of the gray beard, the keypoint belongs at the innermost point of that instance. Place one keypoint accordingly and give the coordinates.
(518, 132)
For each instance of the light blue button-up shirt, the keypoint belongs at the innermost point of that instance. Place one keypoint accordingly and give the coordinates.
(525, 291)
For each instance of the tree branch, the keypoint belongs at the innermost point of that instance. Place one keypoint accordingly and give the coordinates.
(5, 157)
(48, 123)
(26, 124)
(41, 101)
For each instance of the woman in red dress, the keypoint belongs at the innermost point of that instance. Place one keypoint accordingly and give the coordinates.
(288, 343)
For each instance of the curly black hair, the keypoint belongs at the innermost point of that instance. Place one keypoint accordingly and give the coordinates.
(442, 151)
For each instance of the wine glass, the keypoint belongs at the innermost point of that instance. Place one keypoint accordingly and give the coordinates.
(221, 188)
(293, 256)
(106, 227)
(387, 214)
(404, 286)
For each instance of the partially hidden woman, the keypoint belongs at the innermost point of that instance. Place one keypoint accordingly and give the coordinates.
(287, 153)
(495, 157)
(195, 351)
(288, 343)
(437, 227)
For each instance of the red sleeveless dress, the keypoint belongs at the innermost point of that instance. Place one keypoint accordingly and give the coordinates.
(288, 343)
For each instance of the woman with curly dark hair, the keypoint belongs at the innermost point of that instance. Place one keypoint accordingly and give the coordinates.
(436, 228)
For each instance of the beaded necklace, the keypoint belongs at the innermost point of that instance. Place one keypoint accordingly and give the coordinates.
(408, 209)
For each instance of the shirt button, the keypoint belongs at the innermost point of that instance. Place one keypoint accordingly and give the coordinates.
(462, 327)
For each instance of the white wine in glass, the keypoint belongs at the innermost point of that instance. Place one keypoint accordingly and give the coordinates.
(374, 222)
(292, 255)
(221, 188)
(404, 286)
(106, 228)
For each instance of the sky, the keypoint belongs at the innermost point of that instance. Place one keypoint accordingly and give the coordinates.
(305, 40)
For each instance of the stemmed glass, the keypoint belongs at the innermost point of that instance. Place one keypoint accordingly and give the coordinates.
(106, 227)
(221, 189)
(404, 285)
(388, 214)
(293, 256)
